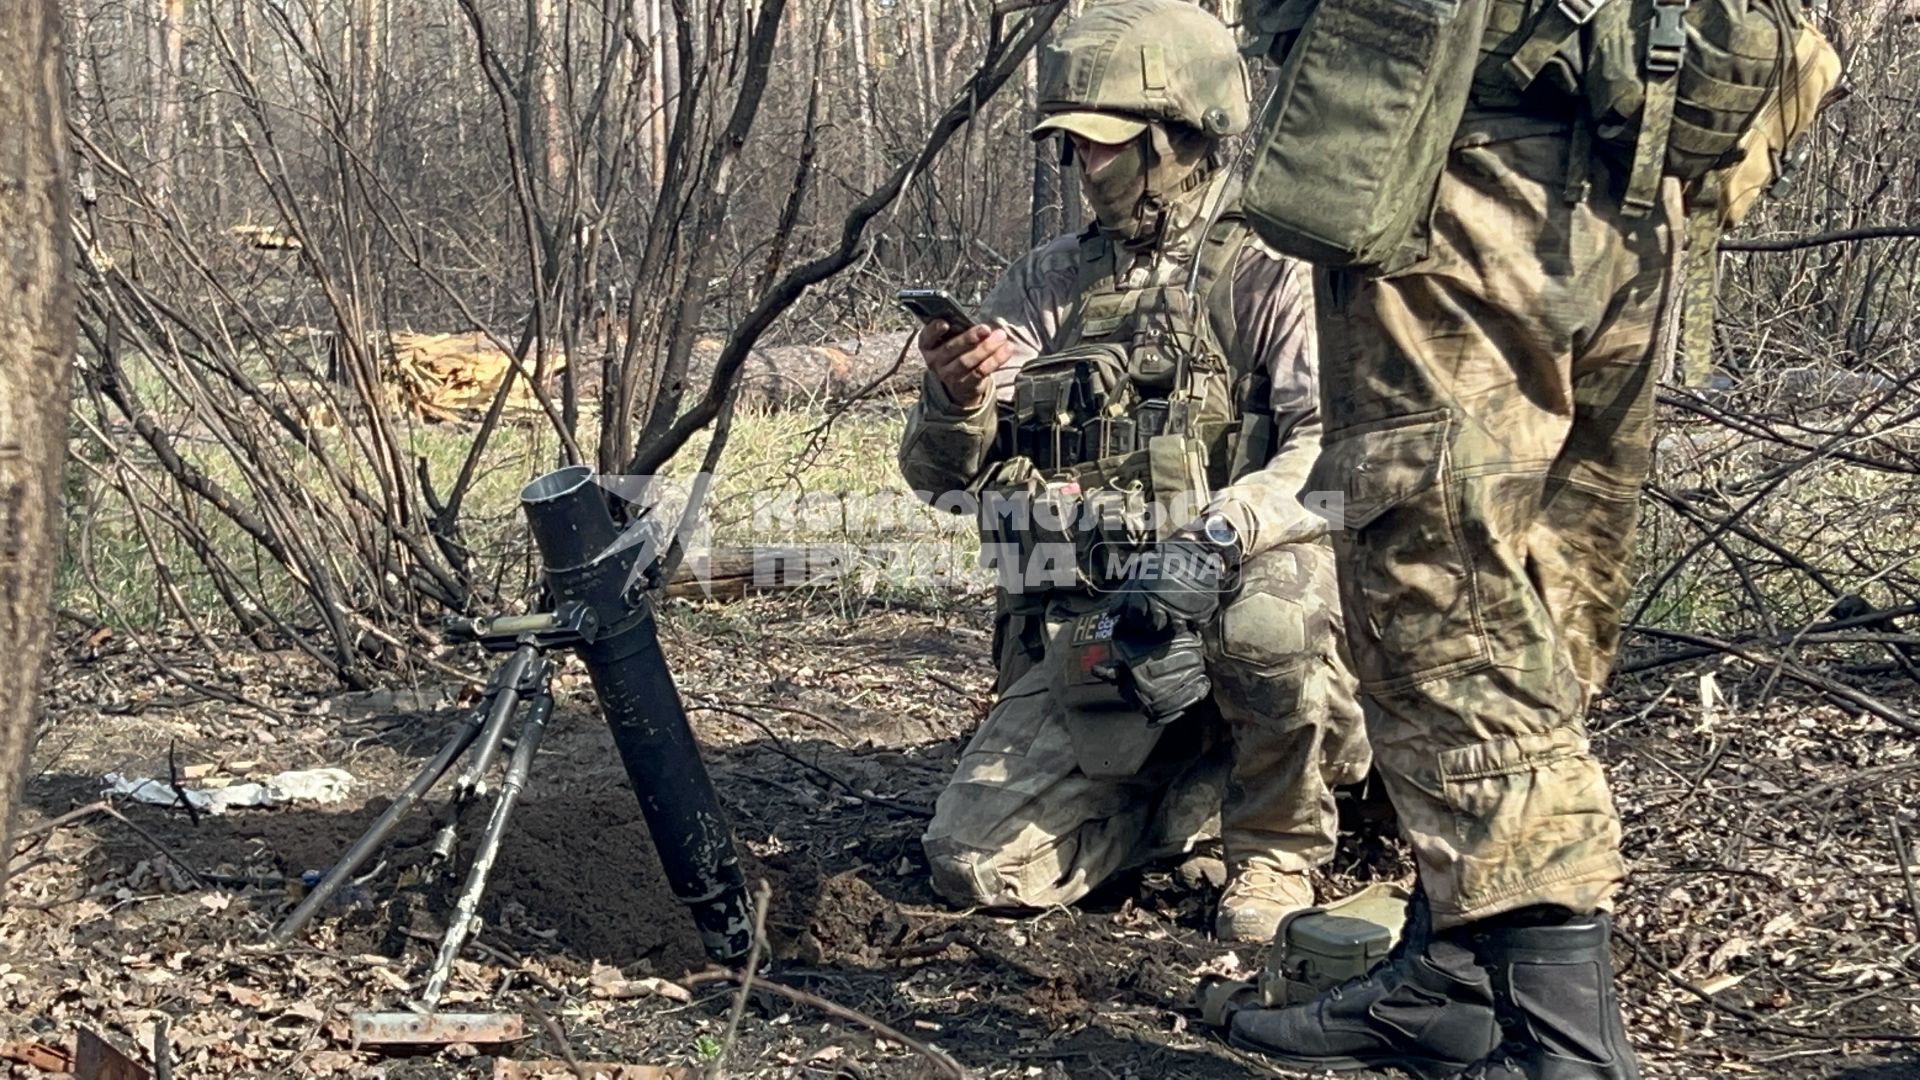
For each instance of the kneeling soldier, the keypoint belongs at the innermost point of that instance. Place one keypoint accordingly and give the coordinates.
(1137, 414)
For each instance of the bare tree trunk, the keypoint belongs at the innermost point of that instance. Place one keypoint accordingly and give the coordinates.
(36, 345)
(242, 35)
(862, 88)
(908, 21)
(936, 78)
(242, 31)
(78, 19)
(671, 77)
(657, 93)
(553, 116)
(1048, 216)
(167, 21)
(369, 56)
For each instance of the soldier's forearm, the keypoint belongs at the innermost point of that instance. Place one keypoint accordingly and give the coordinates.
(944, 449)
(1267, 505)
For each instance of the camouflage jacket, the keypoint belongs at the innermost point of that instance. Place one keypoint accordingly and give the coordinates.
(946, 447)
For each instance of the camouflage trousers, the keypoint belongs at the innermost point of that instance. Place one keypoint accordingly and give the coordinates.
(1489, 419)
(1022, 825)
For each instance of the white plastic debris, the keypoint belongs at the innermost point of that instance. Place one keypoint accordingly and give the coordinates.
(314, 785)
(299, 785)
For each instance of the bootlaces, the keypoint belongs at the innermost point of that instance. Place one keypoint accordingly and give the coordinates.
(1254, 873)
(1506, 1056)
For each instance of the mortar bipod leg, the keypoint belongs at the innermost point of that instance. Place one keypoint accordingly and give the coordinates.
(465, 920)
(508, 683)
(349, 864)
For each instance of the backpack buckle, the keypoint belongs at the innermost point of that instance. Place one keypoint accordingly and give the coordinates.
(1580, 12)
(1667, 38)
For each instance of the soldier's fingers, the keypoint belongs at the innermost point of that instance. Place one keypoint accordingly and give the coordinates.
(962, 381)
(933, 334)
(954, 345)
(982, 344)
(996, 358)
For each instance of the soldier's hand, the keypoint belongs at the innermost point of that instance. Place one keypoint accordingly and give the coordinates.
(965, 362)
(1162, 677)
(1181, 585)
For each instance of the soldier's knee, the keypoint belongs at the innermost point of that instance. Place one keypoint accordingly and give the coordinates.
(1280, 622)
(969, 876)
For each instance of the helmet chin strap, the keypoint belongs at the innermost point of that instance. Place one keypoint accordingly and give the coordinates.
(1169, 174)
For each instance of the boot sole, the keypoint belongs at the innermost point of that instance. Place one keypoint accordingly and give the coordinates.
(1424, 1068)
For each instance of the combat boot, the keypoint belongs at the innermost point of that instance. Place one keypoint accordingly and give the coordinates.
(1427, 1008)
(1257, 897)
(1553, 989)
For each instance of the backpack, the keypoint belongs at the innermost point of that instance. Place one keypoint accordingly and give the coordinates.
(1356, 133)
(1715, 92)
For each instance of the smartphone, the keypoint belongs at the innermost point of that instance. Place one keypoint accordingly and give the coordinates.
(930, 304)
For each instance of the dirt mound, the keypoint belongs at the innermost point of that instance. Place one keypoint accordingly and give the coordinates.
(846, 921)
(585, 870)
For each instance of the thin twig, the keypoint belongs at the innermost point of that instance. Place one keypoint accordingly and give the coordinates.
(1830, 632)
(159, 848)
(1906, 869)
(1838, 236)
(778, 746)
(173, 781)
(559, 1037)
(162, 1051)
(761, 896)
(515, 965)
(1835, 690)
(62, 821)
(1758, 1022)
(824, 721)
(940, 1058)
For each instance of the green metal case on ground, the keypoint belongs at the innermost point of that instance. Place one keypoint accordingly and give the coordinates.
(1314, 950)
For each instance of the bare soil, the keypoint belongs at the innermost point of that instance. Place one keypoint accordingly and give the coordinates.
(1769, 929)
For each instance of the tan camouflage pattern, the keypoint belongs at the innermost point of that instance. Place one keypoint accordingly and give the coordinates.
(945, 448)
(1022, 826)
(1490, 422)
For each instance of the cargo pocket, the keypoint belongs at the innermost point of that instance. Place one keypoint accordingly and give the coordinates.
(1024, 710)
(1413, 607)
(1528, 811)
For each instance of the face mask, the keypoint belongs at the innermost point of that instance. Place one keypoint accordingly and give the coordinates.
(1114, 190)
(1129, 193)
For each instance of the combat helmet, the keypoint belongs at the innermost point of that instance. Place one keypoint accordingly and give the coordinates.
(1123, 63)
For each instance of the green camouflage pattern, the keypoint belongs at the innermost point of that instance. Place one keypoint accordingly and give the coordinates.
(1366, 98)
(1149, 60)
(1022, 825)
(1490, 415)
(947, 448)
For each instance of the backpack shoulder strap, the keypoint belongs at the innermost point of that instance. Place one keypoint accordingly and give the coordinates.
(1093, 274)
(1212, 282)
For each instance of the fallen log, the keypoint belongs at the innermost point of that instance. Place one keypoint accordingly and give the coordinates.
(793, 376)
(734, 573)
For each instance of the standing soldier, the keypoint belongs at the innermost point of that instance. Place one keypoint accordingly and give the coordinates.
(1508, 223)
(1143, 395)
